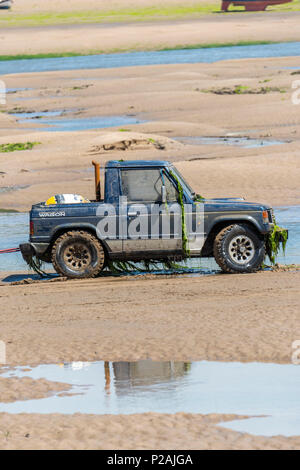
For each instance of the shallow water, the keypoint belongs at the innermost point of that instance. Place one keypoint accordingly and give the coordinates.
(253, 389)
(7, 189)
(180, 56)
(79, 124)
(29, 117)
(237, 141)
(15, 90)
(14, 230)
(289, 217)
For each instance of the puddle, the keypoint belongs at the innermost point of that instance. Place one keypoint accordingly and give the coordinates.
(7, 189)
(245, 142)
(253, 389)
(28, 277)
(15, 90)
(26, 98)
(77, 124)
(179, 56)
(28, 117)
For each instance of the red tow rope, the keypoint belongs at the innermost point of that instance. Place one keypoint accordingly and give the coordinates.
(9, 250)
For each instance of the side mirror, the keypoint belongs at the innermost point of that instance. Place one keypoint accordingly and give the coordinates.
(163, 194)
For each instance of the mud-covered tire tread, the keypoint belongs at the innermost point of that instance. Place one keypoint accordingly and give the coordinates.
(89, 238)
(219, 257)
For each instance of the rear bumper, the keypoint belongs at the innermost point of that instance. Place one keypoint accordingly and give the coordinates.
(29, 250)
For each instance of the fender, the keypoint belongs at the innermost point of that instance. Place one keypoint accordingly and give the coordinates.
(109, 245)
(261, 228)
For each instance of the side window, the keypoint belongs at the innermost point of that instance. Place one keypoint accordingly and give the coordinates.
(145, 186)
(172, 193)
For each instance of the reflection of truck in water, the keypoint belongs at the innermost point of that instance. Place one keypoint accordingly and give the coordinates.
(232, 231)
(148, 372)
(143, 373)
(5, 4)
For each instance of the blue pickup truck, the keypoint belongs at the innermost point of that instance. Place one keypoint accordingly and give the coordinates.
(148, 212)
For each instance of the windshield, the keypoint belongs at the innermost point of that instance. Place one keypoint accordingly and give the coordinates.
(183, 183)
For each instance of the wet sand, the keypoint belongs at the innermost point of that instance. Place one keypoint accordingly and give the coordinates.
(148, 431)
(15, 389)
(225, 318)
(184, 318)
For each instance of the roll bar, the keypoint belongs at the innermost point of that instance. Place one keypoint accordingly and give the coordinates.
(97, 180)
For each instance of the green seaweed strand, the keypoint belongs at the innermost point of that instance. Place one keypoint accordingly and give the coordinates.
(145, 266)
(36, 265)
(185, 241)
(276, 241)
(17, 146)
(199, 198)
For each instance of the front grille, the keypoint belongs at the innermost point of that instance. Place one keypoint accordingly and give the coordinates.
(271, 216)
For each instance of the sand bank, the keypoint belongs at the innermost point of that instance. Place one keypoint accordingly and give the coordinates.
(88, 38)
(146, 431)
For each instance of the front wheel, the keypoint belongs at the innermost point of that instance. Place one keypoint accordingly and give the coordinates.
(78, 255)
(238, 249)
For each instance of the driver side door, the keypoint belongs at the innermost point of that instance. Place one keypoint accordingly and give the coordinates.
(153, 227)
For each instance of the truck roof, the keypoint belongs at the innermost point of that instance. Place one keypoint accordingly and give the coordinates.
(136, 163)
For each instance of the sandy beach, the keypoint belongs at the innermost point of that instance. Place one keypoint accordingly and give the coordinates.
(217, 29)
(227, 318)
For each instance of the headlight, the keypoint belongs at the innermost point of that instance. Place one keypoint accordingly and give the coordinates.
(265, 216)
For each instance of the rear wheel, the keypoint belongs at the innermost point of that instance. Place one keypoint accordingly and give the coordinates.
(238, 249)
(78, 255)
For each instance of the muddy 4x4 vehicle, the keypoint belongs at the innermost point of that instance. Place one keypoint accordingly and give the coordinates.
(141, 199)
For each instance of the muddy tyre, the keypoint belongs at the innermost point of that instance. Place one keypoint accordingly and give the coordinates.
(238, 249)
(78, 255)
